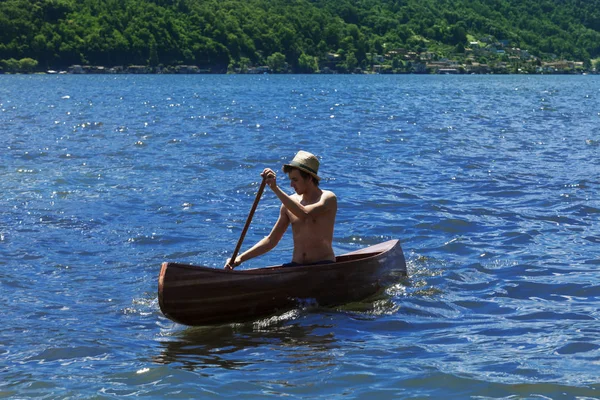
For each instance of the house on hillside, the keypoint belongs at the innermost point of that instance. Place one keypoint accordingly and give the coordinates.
(259, 70)
(187, 69)
(477, 68)
(139, 69)
(557, 67)
(76, 69)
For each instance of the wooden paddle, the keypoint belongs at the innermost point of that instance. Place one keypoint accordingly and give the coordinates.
(256, 200)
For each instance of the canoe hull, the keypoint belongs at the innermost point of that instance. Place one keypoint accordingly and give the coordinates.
(194, 295)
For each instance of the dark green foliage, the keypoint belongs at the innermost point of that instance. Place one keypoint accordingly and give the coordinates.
(217, 34)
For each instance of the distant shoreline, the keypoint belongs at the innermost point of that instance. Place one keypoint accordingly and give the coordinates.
(125, 72)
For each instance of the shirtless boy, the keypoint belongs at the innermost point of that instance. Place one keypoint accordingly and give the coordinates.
(311, 212)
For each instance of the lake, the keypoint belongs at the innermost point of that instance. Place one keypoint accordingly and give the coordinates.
(491, 183)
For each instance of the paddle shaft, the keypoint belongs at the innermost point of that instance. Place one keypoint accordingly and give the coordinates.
(256, 200)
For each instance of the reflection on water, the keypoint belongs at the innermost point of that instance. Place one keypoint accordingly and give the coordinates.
(241, 345)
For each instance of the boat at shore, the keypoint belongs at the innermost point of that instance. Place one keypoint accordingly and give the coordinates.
(196, 295)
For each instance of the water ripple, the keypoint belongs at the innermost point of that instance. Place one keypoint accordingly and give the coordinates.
(490, 182)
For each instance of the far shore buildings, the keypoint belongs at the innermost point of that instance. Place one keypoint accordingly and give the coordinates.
(449, 67)
(483, 56)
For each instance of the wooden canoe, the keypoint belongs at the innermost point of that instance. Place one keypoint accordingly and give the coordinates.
(194, 295)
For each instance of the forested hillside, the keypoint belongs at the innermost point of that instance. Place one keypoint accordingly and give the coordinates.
(296, 35)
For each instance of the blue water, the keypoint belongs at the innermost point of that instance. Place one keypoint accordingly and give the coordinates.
(491, 183)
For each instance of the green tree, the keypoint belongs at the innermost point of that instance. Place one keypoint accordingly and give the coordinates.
(27, 64)
(307, 64)
(276, 62)
(244, 64)
(215, 34)
(11, 65)
(351, 62)
(398, 64)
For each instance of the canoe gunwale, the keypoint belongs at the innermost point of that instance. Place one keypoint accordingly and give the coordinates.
(341, 261)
